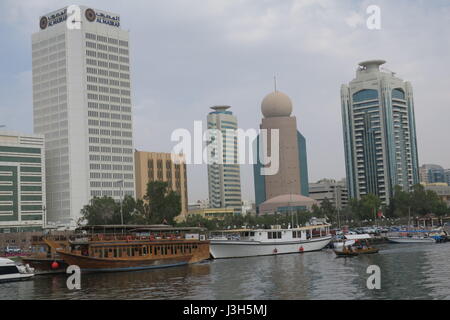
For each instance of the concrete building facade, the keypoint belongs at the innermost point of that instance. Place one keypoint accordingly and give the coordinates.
(22, 182)
(224, 178)
(335, 191)
(292, 176)
(379, 132)
(82, 105)
(158, 166)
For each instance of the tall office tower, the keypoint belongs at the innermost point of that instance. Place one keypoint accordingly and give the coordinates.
(224, 179)
(292, 176)
(156, 166)
(82, 104)
(22, 182)
(379, 132)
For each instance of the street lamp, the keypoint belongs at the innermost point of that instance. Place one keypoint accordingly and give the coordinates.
(121, 200)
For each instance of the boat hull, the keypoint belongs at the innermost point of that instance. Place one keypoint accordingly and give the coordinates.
(15, 277)
(44, 265)
(411, 240)
(92, 264)
(222, 249)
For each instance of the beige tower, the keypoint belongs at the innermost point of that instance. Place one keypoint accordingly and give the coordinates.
(292, 177)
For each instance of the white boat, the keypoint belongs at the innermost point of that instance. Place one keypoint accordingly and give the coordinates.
(413, 239)
(266, 242)
(9, 271)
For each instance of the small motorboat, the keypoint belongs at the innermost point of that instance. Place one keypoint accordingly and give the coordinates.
(414, 236)
(355, 245)
(9, 271)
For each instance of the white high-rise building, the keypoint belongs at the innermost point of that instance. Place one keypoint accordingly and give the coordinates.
(82, 105)
(379, 132)
(224, 179)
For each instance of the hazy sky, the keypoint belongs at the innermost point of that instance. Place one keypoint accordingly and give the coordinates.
(188, 55)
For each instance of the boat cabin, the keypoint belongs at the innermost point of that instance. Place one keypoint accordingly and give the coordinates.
(270, 235)
(132, 242)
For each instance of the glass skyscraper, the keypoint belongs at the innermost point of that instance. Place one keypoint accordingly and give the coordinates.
(379, 132)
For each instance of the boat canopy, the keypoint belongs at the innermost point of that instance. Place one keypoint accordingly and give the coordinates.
(357, 236)
(136, 228)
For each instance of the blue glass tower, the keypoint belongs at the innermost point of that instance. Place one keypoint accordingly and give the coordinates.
(379, 132)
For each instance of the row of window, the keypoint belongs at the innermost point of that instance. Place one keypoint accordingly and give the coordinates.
(116, 91)
(105, 56)
(114, 133)
(116, 142)
(109, 175)
(111, 193)
(104, 47)
(106, 115)
(106, 166)
(104, 39)
(110, 82)
(96, 157)
(109, 184)
(124, 125)
(110, 73)
(106, 106)
(110, 150)
(132, 251)
(100, 97)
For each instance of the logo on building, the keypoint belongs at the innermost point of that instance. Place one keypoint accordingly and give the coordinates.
(90, 15)
(43, 23)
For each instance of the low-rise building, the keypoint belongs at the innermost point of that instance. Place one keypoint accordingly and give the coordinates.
(442, 190)
(22, 182)
(286, 203)
(335, 191)
(211, 213)
(155, 166)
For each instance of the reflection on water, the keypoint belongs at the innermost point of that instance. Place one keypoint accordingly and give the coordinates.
(419, 271)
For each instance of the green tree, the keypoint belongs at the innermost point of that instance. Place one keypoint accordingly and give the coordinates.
(100, 211)
(400, 203)
(164, 204)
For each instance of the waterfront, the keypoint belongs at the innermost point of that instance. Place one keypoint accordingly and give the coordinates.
(407, 272)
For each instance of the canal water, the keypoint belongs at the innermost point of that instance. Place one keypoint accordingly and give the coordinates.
(419, 271)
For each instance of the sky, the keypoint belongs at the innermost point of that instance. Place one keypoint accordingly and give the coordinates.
(189, 55)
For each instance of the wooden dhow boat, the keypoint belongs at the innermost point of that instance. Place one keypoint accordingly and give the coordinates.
(118, 248)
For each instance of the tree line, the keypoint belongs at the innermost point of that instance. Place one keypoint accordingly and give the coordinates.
(160, 205)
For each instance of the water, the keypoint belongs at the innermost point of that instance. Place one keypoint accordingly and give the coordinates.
(419, 271)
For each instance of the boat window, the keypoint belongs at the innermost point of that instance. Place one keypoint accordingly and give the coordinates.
(294, 234)
(8, 270)
(269, 235)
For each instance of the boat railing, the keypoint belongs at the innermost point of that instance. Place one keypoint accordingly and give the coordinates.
(128, 237)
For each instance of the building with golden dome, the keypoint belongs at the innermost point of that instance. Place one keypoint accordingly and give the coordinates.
(292, 175)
